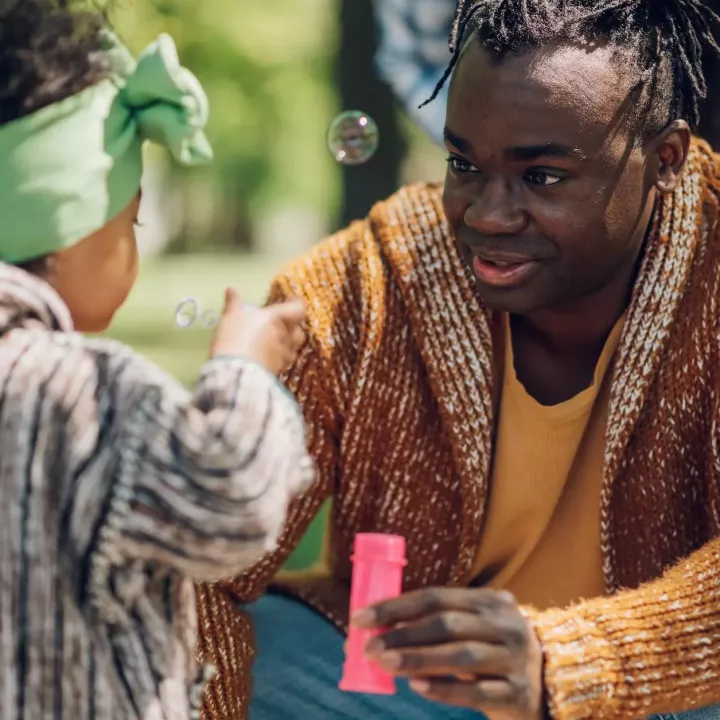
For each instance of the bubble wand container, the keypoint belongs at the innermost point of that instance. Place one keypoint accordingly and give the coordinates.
(378, 563)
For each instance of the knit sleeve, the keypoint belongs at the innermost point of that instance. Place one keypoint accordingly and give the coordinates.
(196, 482)
(306, 382)
(226, 636)
(652, 650)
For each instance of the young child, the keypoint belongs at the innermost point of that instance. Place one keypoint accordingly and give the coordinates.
(119, 488)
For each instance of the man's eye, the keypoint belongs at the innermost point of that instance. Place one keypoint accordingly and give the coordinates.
(542, 178)
(460, 166)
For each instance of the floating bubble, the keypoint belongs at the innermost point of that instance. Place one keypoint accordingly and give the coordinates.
(186, 312)
(209, 319)
(353, 137)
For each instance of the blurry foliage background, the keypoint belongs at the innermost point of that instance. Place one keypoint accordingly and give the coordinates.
(266, 73)
(269, 69)
(276, 73)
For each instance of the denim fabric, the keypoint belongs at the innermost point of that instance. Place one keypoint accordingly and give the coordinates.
(412, 56)
(299, 664)
(707, 713)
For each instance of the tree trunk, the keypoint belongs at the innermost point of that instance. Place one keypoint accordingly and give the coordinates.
(361, 89)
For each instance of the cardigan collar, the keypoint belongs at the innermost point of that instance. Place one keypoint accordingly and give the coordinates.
(454, 331)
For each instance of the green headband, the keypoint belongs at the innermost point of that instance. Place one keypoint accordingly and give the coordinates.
(70, 168)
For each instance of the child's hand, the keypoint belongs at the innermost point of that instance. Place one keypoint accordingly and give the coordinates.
(271, 336)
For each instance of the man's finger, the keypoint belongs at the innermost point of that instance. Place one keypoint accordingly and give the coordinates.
(480, 695)
(298, 337)
(288, 359)
(441, 628)
(419, 603)
(462, 659)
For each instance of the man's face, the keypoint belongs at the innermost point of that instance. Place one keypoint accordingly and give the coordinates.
(547, 194)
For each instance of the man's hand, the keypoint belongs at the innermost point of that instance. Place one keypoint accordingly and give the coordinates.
(467, 647)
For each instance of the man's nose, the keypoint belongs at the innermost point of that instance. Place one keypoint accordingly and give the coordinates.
(496, 208)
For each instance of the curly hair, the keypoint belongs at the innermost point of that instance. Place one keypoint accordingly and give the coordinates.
(49, 50)
(668, 39)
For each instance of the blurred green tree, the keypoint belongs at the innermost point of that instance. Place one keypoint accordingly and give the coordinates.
(267, 72)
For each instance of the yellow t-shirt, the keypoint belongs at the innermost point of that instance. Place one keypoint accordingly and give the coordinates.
(541, 538)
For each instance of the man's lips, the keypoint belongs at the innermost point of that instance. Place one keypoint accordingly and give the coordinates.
(503, 269)
(502, 257)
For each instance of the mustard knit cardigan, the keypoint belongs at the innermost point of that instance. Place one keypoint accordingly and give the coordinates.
(398, 385)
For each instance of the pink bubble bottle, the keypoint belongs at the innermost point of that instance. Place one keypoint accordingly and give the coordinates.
(378, 563)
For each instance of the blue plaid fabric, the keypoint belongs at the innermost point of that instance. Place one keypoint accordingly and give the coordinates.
(413, 54)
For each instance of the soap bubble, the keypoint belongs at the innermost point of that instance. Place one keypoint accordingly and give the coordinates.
(353, 137)
(209, 319)
(186, 312)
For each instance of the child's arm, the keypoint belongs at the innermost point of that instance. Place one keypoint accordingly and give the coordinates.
(199, 483)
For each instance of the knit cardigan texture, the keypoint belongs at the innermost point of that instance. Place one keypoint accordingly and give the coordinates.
(399, 385)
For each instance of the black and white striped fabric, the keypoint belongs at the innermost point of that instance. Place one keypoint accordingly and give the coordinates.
(119, 489)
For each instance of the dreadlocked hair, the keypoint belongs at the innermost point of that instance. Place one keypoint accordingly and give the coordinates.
(667, 39)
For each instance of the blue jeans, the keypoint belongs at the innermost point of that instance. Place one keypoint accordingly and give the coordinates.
(299, 664)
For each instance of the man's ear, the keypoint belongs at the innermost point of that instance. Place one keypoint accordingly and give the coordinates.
(671, 148)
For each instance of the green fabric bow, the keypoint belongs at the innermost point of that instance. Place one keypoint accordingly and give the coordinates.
(68, 169)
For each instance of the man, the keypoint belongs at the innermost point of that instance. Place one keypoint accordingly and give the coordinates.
(521, 377)
(413, 54)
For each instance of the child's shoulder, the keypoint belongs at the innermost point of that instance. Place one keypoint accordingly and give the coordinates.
(58, 360)
(39, 345)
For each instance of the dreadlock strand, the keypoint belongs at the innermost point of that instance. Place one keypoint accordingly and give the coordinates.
(605, 8)
(456, 38)
(441, 82)
(458, 24)
(500, 21)
(705, 20)
(668, 38)
(525, 12)
(689, 67)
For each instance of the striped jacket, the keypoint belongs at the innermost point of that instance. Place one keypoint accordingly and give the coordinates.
(119, 489)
